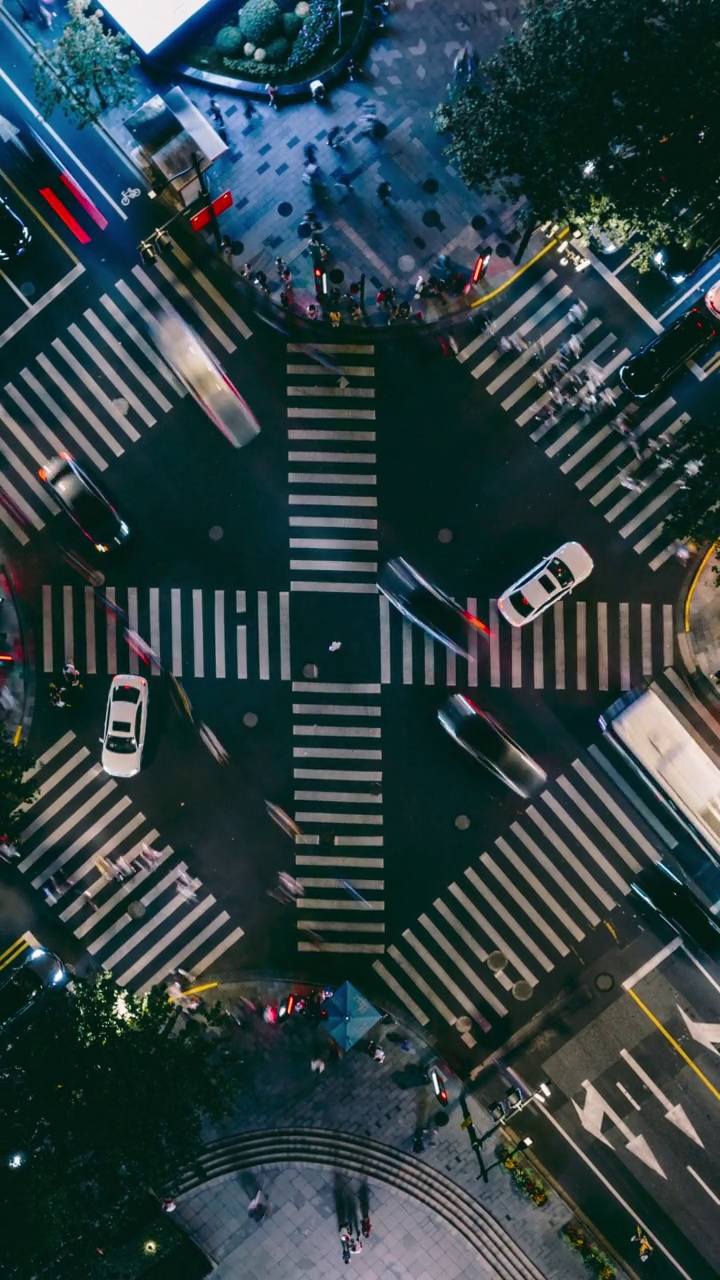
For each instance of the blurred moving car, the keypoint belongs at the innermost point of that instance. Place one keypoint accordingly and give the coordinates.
(40, 972)
(84, 502)
(550, 580)
(125, 726)
(660, 892)
(205, 379)
(486, 740)
(14, 235)
(438, 614)
(666, 354)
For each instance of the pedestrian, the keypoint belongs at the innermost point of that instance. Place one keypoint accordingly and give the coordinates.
(334, 137)
(633, 484)
(126, 868)
(49, 896)
(317, 91)
(215, 111)
(245, 271)
(311, 311)
(57, 696)
(577, 312)
(168, 1205)
(356, 314)
(90, 900)
(384, 191)
(356, 1246)
(8, 850)
(149, 856)
(317, 1065)
(310, 153)
(71, 673)
(420, 286)
(257, 1207)
(290, 884)
(271, 91)
(366, 1226)
(287, 278)
(379, 1055)
(335, 645)
(284, 300)
(185, 887)
(335, 319)
(261, 281)
(46, 13)
(344, 181)
(249, 110)
(351, 69)
(281, 265)
(310, 174)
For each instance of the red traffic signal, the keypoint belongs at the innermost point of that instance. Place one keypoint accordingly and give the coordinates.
(481, 265)
(438, 1085)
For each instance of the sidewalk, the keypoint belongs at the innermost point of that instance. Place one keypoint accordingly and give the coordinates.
(699, 629)
(368, 1103)
(15, 662)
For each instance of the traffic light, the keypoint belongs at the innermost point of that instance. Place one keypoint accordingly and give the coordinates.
(438, 1085)
(320, 283)
(147, 253)
(481, 265)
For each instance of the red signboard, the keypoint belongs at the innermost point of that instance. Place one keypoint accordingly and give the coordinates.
(219, 205)
(222, 202)
(201, 219)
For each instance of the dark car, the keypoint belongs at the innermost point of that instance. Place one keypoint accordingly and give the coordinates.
(41, 972)
(659, 890)
(438, 614)
(84, 502)
(14, 235)
(666, 354)
(488, 742)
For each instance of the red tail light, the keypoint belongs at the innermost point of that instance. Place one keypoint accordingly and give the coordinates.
(476, 622)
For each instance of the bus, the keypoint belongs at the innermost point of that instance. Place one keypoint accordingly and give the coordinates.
(656, 743)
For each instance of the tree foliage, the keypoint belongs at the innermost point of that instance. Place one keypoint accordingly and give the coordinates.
(14, 791)
(605, 108)
(105, 1095)
(696, 511)
(89, 69)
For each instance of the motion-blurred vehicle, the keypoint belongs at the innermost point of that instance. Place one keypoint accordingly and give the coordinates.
(125, 726)
(14, 235)
(427, 606)
(205, 379)
(40, 972)
(545, 584)
(84, 502)
(660, 892)
(483, 738)
(665, 355)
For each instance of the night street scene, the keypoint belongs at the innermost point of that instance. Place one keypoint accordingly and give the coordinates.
(359, 639)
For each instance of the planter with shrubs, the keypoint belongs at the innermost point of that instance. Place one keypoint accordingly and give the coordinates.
(596, 1260)
(527, 1181)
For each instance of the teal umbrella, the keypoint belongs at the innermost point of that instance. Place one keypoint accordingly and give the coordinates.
(349, 1015)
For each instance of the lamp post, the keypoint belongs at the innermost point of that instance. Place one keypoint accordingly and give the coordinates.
(521, 1146)
(512, 1105)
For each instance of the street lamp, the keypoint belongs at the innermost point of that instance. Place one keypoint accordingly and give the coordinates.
(512, 1104)
(521, 1146)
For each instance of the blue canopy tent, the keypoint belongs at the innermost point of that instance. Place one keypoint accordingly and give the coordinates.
(349, 1015)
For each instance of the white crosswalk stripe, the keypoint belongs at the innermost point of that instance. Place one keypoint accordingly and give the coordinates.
(593, 455)
(347, 443)
(95, 390)
(140, 928)
(522, 908)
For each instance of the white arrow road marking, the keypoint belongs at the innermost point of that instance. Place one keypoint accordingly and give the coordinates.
(707, 1033)
(675, 1114)
(591, 1116)
(10, 133)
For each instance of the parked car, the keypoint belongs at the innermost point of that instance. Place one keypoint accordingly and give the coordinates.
(14, 235)
(40, 972)
(666, 354)
(125, 726)
(542, 586)
(427, 606)
(482, 737)
(84, 502)
(659, 892)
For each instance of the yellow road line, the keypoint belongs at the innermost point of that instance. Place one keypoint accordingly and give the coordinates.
(686, 1058)
(193, 991)
(521, 270)
(16, 949)
(693, 584)
(40, 218)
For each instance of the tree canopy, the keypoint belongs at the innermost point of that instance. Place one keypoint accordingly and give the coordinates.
(15, 792)
(89, 69)
(103, 1096)
(599, 110)
(696, 510)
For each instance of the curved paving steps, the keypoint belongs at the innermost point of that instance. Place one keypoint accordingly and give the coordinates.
(353, 1154)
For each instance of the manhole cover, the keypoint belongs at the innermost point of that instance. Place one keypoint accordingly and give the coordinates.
(441, 1119)
(136, 910)
(497, 961)
(463, 1024)
(462, 822)
(445, 535)
(310, 671)
(604, 982)
(215, 534)
(430, 185)
(522, 990)
(250, 719)
(284, 209)
(406, 263)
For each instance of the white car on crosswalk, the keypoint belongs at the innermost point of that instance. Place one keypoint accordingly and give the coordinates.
(545, 584)
(125, 726)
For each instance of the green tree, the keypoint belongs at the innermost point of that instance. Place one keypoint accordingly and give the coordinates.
(15, 791)
(696, 510)
(105, 1096)
(599, 107)
(89, 70)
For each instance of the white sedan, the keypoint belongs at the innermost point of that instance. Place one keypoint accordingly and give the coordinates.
(550, 580)
(125, 726)
(205, 379)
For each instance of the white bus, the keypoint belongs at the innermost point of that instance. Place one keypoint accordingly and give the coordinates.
(655, 741)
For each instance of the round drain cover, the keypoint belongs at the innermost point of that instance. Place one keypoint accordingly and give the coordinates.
(250, 719)
(462, 822)
(522, 990)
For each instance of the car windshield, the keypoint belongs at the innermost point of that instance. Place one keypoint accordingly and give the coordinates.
(126, 693)
(521, 604)
(559, 570)
(95, 516)
(23, 987)
(121, 746)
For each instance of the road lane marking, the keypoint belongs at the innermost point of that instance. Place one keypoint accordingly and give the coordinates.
(70, 394)
(602, 644)
(263, 636)
(402, 995)
(524, 872)
(220, 670)
(596, 821)
(407, 655)
(514, 893)
(472, 671)
(176, 621)
(133, 625)
(559, 625)
(581, 644)
(672, 1041)
(198, 636)
(580, 871)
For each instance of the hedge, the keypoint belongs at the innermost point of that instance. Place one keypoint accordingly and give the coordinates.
(319, 26)
(229, 40)
(259, 21)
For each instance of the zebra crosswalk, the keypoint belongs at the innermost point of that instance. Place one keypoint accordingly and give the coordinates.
(140, 928)
(586, 448)
(101, 385)
(332, 467)
(337, 771)
(499, 930)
